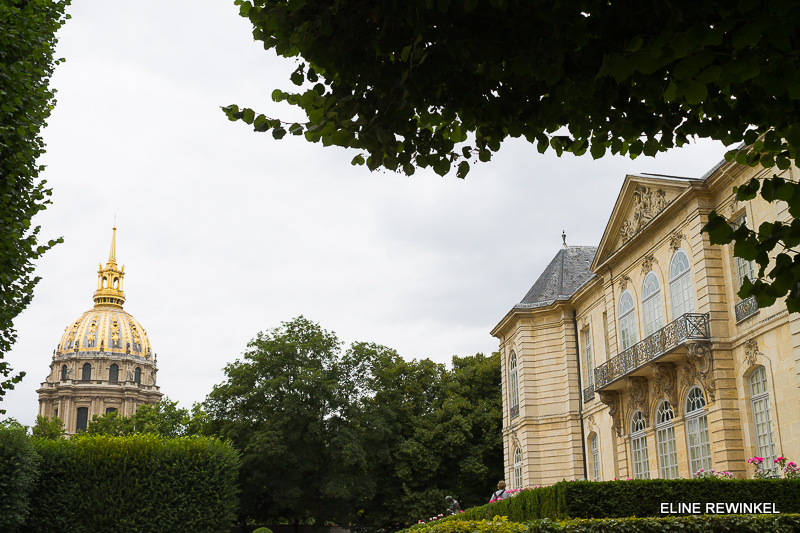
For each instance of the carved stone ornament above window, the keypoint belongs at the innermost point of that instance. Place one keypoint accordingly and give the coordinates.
(751, 352)
(647, 203)
(675, 241)
(647, 263)
(700, 354)
(637, 396)
(665, 381)
(623, 281)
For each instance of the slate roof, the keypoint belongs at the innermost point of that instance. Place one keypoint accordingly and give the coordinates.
(565, 274)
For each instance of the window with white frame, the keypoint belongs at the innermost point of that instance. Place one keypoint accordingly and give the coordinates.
(744, 268)
(627, 320)
(680, 284)
(513, 384)
(517, 468)
(651, 304)
(665, 440)
(587, 350)
(641, 463)
(697, 431)
(762, 417)
(595, 447)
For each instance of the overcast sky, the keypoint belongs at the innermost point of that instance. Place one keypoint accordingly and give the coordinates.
(225, 232)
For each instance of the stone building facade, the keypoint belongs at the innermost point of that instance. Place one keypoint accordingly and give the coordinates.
(636, 358)
(104, 361)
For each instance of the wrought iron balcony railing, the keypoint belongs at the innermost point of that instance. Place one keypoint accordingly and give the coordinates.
(588, 393)
(688, 326)
(745, 308)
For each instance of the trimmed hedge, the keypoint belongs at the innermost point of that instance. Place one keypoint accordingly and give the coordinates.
(134, 484)
(18, 462)
(782, 523)
(618, 499)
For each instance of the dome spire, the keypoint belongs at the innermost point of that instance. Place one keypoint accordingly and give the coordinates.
(109, 279)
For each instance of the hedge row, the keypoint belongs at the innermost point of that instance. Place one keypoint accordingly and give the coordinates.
(618, 499)
(18, 463)
(783, 523)
(133, 484)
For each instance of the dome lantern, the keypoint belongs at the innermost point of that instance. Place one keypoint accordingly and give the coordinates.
(109, 279)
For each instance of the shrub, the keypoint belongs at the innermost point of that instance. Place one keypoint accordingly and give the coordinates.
(18, 467)
(134, 484)
(263, 530)
(617, 499)
(685, 524)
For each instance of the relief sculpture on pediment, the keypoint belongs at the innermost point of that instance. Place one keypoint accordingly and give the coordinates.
(647, 203)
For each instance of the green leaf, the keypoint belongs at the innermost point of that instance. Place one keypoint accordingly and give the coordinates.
(278, 133)
(463, 169)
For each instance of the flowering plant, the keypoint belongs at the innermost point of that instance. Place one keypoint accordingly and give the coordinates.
(790, 469)
(713, 474)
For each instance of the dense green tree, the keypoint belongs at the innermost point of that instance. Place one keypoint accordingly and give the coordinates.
(358, 436)
(48, 428)
(428, 83)
(430, 433)
(27, 40)
(284, 406)
(164, 418)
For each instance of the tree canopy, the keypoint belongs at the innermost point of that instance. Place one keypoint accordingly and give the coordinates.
(164, 418)
(406, 83)
(356, 436)
(27, 41)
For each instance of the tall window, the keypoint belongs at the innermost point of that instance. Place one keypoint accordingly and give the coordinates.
(83, 419)
(641, 464)
(587, 350)
(680, 284)
(137, 375)
(627, 320)
(595, 457)
(697, 431)
(63, 372)
(513, 385)
(743, 268)
(762, 417)
(113, 372)
(651, 303)
(665, 438)
(517, 468)
(111, 410)
(87, 372)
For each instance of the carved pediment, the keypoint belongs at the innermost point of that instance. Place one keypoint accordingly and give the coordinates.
(640, 201)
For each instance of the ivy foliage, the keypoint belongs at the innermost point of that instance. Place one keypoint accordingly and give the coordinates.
(27, 41)
(433, 83)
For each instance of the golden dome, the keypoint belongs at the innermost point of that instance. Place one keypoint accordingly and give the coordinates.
(107, 329)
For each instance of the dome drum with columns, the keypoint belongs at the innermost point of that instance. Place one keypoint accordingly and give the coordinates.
(104, 361)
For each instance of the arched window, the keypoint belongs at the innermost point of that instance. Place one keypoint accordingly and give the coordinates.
(627, 320)
(137, 375)
(680, 284)
(595, 447)
(762, 417)
(641, 463)
(697, 431)
(87, 372)
(113, 372)
(517, 468)
(64, 373)
(651, 304)
(665, 438)
(513, 385)
(83, 419)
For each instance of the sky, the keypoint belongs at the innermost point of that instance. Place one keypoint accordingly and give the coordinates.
(225, 232)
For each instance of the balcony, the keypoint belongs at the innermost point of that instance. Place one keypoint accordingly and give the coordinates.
(588, 393)
(745, 308)
(690, 326)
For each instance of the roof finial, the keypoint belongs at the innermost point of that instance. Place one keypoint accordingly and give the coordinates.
(112, 256)
(564, 238)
